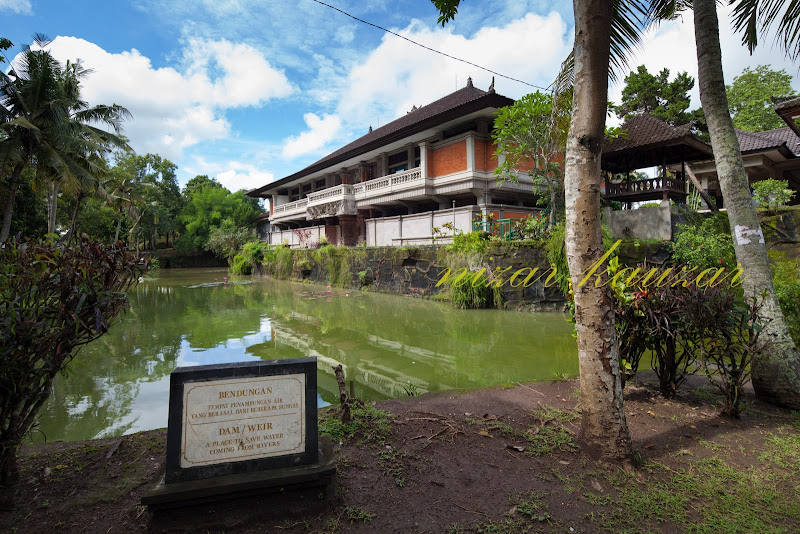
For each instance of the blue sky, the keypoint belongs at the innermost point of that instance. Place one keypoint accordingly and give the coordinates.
(253, 90)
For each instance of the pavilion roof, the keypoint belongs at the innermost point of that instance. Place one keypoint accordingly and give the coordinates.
(648, 142)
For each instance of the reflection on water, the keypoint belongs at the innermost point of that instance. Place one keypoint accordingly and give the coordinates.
(388, 345)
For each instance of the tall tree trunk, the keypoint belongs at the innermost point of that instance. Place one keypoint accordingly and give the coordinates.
(604, 430)
(74, 218)
(9, 207)
(52, 207)
(116, 234)
(776, 368)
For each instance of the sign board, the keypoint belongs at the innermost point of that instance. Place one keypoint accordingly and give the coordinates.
(238, 418)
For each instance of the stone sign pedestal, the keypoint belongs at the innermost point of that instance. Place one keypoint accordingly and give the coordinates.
(241, 427)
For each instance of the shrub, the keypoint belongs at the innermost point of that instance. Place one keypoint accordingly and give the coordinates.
(772, 194)
(787, 289)
(256, 252)
(473, 296)
(705, 245)
(241, 265)
(727, 336)
(225, 241)
(54, 299)
(471, 242)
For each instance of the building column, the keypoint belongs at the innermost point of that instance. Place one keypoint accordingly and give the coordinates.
(410, 156)
(423, 160)
(363, 169)
(470, 152)
(349, 228)
(345, 177)
(383, 164)
(272, 203)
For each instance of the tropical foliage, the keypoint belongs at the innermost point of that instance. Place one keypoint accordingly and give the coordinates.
(750, 98)
(46, 125)
(54, 298)
(532, 134)
(658, 96)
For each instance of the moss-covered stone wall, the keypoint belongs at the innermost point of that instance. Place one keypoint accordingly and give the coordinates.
(417, 270)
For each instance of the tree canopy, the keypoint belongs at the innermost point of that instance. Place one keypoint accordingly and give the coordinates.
(658, 96)
(750, 98)
(532, 134)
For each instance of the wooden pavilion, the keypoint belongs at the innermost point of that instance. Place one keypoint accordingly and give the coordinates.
(650, 142)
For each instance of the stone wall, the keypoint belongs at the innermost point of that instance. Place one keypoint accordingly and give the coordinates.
(415, 271)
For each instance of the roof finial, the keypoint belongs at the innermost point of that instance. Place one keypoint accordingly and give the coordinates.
(469, 81)
(370, 128)
(491, 86)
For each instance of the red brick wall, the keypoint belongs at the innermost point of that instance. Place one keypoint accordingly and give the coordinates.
(480, 155)
(447, 159)
(491, 159)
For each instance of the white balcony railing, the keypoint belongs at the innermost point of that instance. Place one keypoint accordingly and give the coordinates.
(330, 195)
(389, 184)
(291, 208)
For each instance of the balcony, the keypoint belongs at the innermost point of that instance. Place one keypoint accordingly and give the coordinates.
(649, 189)
(340, 192)
(298, 207)
(395, 183)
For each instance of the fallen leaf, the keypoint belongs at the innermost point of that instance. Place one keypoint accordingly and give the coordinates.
(563, 462)
(485, 433)
(651, 413)
(61, 466)
(596, 485)
(517, 448)
(46, 472)
(648, 446)
(692, 426)
(534, 430)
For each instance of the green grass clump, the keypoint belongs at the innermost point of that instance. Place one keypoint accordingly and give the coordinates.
(368, 425)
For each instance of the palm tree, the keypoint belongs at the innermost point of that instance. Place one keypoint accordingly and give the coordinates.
(603, 424)
(752, 17)
(776, 368)
(44, 122)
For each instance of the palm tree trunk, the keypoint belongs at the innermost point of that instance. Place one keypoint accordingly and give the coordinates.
(116, 234)
(9, 208)
(74, 218)
(52, 207)
(604, 430)
(776, 368)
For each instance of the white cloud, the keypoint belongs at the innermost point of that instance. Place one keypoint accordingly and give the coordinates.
(21, 7)
(321, 132)
(175, 109)
(234, 175)
(398, 75)
(672, 46)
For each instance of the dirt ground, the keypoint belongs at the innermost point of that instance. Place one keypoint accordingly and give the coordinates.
(500, 460)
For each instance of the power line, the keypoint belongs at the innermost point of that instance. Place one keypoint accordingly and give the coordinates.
(428, 47)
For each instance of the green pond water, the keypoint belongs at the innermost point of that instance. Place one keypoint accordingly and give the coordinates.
(389, 345)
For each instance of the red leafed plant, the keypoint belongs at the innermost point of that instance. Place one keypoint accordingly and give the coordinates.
(54, 298)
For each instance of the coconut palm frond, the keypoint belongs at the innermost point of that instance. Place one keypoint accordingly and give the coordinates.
(751, 17)
(627, 27)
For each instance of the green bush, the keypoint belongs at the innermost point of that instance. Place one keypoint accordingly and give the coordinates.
(241, 265)
(54, 299)
(705, 245)
(466, 295)
(787, 289)
(772, 194)
(471, 242)
(256, 252)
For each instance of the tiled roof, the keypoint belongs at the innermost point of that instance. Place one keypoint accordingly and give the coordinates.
(453, 100)
(770, 139)
(463, 101)
(644, 130)
(789, 102)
